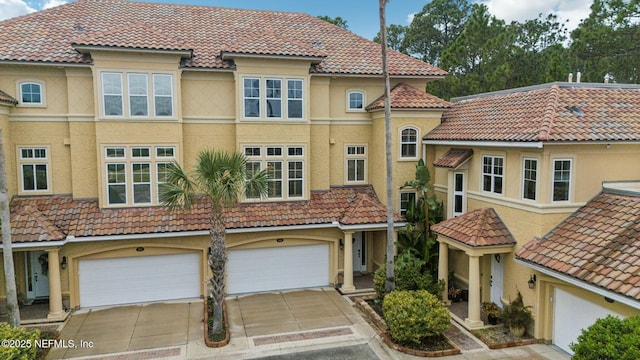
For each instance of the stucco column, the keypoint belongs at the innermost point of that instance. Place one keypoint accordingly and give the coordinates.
(55, 289)
(348, 262)
(473, 321)
(443, 268)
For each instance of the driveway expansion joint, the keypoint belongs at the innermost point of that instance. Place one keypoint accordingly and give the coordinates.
(274, 339)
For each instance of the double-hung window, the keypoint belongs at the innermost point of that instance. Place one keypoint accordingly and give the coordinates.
(407, 199)
(134, 174)
(294, 99)
(34, 169)
(129, 93)
(285, 170)
(274, 98)
(529, 178)
(561, 179)
(409, 143)
(356, 163)
(492, 174)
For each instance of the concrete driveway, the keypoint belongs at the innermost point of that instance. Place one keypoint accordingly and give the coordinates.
(130, 328)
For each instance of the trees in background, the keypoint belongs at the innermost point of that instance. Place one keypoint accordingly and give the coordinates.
(483, 53)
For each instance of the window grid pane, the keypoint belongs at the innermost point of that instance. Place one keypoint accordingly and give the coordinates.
(31, 93)
(141, 182)
(274, 170)
(561, 180)
(251, 168)
(138, 102)
(116, 182)
(295, 178)
(251, 97)
(406, 198)
(112, 92)
(274, 98)
(165, 152)
(409, 143)
(492, 170)
(294, 99)
(356, 100)
(530, 179)
(163, 95)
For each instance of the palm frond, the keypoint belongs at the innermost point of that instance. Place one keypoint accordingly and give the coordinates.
(178, 190)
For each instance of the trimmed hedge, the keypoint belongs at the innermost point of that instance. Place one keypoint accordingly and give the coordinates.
(414, 315)
(609, 338)
(18, 343)
(408, 276)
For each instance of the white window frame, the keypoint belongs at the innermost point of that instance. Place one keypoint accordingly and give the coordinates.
(402, 210)
(355, 158)
(128, 160)
(493, 175)
(295, 98)
(34, 161)
(260, 157)
(19, 91)
(349, 103)
(404, 143)
(462, 193)
(272, 99)
(525, 179)
(251, 97)
(568, 181)
(126, 93)
(261, 97)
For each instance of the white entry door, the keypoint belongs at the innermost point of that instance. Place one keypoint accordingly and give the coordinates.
(571, 314)
(37, 274)
(359, 260)
(277, 268)
(497, 276)
(136, 279)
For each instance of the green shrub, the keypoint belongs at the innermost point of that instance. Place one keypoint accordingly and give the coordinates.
(516, 314)
(414, 315)
(21, 343)
(408, 276)
(609, 338)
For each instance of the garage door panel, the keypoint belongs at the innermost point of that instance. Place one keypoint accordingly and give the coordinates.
(571, 314)
(266, 269)
(139, 279)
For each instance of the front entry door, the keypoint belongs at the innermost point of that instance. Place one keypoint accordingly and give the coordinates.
(359, 260)
(37, 274)
(497, 267)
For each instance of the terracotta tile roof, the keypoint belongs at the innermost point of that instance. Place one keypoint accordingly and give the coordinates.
(556, 112)
(55, 217)
(404, 96)
(453, 158)
(481, 227)
(7, 99)
(598, 244)
(48, 35)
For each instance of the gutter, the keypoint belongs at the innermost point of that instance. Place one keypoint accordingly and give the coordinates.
(582, 284)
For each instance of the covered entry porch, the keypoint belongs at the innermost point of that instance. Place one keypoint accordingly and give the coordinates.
(478, 234)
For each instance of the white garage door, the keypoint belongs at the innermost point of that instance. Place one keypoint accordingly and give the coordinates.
(291, 267)
(571, 314)
(139, 279)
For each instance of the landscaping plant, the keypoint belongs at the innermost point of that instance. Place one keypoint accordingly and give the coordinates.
(609, 338)
(414, 315)
(516, 315)
(21, 343)
(409, 276)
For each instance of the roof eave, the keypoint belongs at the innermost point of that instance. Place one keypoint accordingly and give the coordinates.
(233, 55)
(581, 283)
(87, 49)
(471, 143)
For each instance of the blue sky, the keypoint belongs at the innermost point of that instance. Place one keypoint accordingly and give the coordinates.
(361, 15)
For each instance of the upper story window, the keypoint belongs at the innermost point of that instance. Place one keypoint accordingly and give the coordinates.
(356, 163)
(406, 199)
(34, 169)
(561, 179)
(355, 101)
(129, 93)
(285, 168)
(31, 93)
(529, 179)
(492, 173)
(409, 143)
(272, 99)
(134, 173)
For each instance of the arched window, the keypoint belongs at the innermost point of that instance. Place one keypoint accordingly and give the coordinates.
(409, 143)
(355, 100)
(31, 93)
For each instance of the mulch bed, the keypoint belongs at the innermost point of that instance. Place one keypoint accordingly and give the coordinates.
(499, 337)
(434, 346)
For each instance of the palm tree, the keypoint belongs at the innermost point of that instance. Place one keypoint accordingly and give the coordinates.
(222, 178)
(389, 284)
(5, 221)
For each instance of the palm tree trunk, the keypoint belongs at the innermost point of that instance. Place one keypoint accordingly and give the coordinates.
(390, 277)
(217, 264)
(5, 221)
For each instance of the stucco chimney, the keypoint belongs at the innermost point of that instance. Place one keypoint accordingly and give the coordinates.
(570, 77)
(578, 76)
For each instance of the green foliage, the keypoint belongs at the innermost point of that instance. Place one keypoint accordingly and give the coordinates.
(24, 347)
(609, 338)
(338, 21)
(408, 276)
(414, 315)
(516, 314)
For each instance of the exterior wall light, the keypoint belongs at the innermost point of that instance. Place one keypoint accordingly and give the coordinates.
(63, 263)
(532, 281)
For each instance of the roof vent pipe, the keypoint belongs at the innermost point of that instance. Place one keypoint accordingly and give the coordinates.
(578, 76)
(570, 77)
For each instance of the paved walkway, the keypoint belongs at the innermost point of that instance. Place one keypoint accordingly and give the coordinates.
(315, 324)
